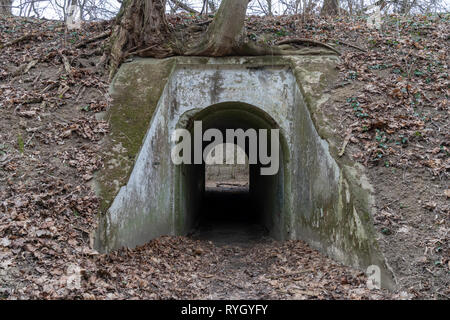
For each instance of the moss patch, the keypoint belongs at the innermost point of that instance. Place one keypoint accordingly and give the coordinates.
(135, 90)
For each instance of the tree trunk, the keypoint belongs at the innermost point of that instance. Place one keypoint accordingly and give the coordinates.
(226, 33)
(141, 26)
(141, 29)
(5, 7)
(269, 7)
(330, 8)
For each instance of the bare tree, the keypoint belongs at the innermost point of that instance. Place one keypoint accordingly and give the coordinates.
(292, 6)
(212, 6)
(330, 8)
(5, 7)
(93, 10)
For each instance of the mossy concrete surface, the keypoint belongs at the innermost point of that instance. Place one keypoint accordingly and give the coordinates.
(135, 92)
(326, 200)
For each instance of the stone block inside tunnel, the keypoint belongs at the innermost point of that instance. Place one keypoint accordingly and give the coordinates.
(314, 194)
(260, 200)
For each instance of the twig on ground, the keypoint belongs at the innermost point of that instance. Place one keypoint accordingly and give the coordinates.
(25, 37)
(346, 140)
(308, 41)
(352, 45)
(93, 39)
(339, 85)
(66, 63)
(5, 162)
(29, 140)
(290, 274)
(24, 68)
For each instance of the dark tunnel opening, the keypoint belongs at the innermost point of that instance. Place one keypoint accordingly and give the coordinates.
(232, 203)
(228, 216)
(228, 213)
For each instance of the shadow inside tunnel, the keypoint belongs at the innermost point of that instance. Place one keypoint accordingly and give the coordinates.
(229, 217)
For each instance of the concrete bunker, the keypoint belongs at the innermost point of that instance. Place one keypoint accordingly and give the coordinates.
(317, 196)
(262, 204)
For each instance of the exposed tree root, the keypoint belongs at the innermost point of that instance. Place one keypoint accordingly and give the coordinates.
(352, 46)
(260, 50)
(308, 41)
(90, 40)
(138, 52)
(140, 24)
(143, 31)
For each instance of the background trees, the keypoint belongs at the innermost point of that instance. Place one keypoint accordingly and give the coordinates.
(106, 9)
(5, 7)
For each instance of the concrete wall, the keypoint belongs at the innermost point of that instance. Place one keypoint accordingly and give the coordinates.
(316, 196)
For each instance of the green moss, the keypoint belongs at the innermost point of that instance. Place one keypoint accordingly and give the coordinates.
(135, 90)
(20, 143)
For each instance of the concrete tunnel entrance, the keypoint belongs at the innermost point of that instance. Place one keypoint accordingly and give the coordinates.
(232, 202)
(317, 194)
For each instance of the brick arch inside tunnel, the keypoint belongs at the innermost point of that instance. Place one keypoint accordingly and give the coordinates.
(264, 203)
(317, 195)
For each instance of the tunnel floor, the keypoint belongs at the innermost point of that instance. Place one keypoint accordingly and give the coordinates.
(229, 217)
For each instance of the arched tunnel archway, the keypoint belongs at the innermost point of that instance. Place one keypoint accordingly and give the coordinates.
(258, 210)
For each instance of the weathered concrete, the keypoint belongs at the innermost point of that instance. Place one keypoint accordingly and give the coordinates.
(316, 196)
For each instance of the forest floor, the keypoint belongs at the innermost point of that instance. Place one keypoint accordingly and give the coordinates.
(391, 112)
